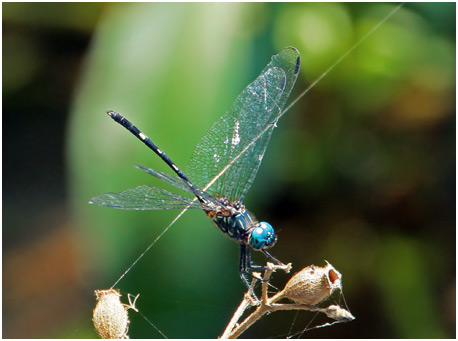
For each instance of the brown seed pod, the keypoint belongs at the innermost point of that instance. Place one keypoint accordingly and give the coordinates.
(110, 317)
(312, 284)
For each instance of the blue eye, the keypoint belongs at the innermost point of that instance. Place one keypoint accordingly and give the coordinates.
(262, 236)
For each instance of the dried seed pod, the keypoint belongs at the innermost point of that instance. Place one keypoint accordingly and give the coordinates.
(312, 284)
(110, 317)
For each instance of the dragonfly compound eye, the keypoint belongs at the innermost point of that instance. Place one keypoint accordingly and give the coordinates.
(262, 236)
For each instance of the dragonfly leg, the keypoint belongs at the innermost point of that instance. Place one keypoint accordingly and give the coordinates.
(249, 265)
(245, 266)
(272, 258)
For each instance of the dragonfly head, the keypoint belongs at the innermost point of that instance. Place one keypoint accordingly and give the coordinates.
(262, 236)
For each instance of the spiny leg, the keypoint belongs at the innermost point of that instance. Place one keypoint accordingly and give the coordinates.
(245, 259)
(272, 258)
(246, 265)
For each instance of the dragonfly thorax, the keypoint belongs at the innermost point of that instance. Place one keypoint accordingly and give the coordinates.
(234, 220)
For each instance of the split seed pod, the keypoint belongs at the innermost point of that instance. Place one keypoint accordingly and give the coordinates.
(312, 284)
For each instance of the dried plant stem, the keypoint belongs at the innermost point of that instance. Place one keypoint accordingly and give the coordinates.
(261, 311)
(246, 303)
(329, 279)
(233, 330)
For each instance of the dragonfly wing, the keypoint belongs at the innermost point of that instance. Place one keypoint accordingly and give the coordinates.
(177, 182)
(240, 137)
(173, 180)
(145, 198)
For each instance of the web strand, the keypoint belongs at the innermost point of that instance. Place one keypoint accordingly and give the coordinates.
(324, 74)
(270, 126)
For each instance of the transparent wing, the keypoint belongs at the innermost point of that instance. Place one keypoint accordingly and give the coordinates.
(144, 198)
(240, 137)
(173, 180)
(177, 182)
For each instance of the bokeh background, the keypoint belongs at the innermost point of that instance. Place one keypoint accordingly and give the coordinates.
(360, 172)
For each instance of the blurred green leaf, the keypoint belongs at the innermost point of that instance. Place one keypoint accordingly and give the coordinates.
(405, 279)
(172, 85)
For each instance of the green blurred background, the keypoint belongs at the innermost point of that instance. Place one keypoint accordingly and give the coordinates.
(360, 172)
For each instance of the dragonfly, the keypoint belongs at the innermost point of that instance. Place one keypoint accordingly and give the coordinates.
(224, 163)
